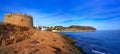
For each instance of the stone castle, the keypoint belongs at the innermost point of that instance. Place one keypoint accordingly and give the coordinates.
(19, 19)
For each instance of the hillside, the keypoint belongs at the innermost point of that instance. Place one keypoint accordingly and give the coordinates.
(76, 28)
(22, 40)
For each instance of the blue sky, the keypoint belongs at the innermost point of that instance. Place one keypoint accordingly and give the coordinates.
(101, 14)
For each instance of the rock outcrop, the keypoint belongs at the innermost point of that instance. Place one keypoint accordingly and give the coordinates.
(23, 40)
(75, 28)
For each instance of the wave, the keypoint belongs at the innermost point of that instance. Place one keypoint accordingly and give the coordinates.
(90, 48)
(98, 52)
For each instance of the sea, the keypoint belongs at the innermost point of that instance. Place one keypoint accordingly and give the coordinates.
(97, 42)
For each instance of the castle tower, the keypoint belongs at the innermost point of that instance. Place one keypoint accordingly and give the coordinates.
(19, 19)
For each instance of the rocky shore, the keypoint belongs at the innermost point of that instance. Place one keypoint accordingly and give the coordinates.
(22, 40)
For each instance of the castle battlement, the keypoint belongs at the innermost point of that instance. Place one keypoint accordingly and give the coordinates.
(19, 19)
(18, 14)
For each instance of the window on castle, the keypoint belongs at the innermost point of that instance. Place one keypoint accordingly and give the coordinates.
(21, 19)
(8, 16)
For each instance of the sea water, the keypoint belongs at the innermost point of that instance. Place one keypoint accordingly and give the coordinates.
(98, 42)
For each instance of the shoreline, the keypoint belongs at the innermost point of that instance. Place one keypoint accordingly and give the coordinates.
(77, 31)
(73, 43)
(88, 46)
(22, 40)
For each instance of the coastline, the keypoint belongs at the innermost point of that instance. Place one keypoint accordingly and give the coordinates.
(90, 47)
(75, 31)
(73, 43)
(23, 40)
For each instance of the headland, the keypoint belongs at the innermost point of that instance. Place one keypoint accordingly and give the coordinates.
(24, 39)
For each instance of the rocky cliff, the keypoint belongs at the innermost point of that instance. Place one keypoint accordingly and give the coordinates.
(22, 40)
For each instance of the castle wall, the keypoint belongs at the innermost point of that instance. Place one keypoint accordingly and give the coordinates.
(19, 19)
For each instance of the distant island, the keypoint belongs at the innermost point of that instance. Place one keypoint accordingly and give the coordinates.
(72, 28)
